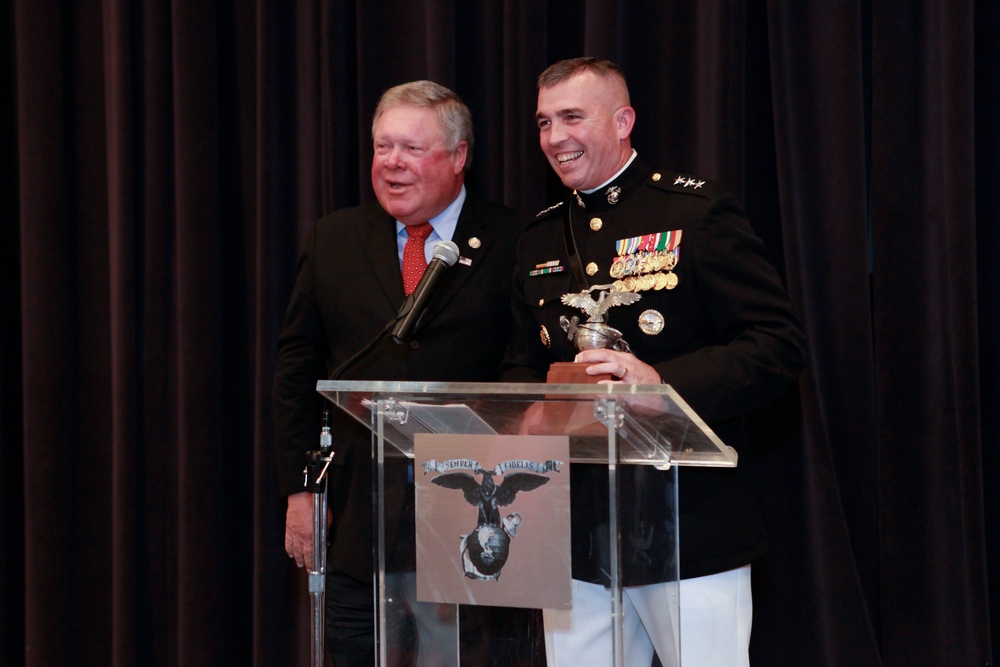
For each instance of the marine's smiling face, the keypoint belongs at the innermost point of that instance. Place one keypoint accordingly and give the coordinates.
(584, 128)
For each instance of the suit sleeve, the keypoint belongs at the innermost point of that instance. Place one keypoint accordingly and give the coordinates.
(758, 351)
(302, 360)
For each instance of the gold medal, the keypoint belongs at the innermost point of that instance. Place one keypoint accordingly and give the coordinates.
(619, 286)
(629, 284)
(672, 280)
(651, 322)
(617, 267)
(647, 282)
(642, 263)
(661, 281)
(670, 261)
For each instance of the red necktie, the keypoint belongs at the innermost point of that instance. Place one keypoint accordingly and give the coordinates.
(414, 260)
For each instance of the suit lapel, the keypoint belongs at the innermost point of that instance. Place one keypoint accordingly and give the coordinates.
(378, 242)
(470, 231)
(379, 245)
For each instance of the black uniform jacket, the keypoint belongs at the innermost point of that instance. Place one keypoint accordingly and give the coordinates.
(729, 343)
(349, 286)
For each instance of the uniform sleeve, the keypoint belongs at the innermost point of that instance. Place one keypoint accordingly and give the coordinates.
(758, 350)
(302, 361)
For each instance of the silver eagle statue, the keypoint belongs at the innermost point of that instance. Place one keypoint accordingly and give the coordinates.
(594, 333)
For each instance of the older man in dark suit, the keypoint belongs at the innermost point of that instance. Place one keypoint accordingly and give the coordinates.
(356, 269)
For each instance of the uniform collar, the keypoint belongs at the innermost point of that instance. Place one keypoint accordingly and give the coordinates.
(608, 195)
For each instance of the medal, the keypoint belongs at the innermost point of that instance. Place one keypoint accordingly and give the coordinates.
(641, 259)
(617, 267)
(651, 322)
(669, 261)
(642, 263)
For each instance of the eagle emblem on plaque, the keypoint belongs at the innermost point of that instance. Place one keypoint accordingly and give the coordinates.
(485, 550)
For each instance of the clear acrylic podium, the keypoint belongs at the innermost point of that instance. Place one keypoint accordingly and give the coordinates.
(606, 427)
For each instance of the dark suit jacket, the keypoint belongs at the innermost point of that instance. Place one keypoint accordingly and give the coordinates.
(729, 343)
(349, 286)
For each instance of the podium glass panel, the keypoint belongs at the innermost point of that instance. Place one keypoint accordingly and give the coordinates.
(453, 575)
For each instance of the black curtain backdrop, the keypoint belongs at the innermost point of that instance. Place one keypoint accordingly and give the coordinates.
(161, 161)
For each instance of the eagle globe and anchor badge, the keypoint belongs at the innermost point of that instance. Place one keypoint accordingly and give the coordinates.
(595, 333)
(485, 550)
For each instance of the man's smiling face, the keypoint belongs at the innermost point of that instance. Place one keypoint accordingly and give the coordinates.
(584, 123)
(414, 174)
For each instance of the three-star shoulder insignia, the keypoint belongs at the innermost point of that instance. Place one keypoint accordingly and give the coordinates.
(683, 183)
(688, 182)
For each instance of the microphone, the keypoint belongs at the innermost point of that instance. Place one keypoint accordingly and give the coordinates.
(445, 255)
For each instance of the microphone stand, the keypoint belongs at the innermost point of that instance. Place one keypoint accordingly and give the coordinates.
(318, 462)
(316, 469)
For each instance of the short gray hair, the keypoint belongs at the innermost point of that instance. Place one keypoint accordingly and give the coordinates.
(454, 116)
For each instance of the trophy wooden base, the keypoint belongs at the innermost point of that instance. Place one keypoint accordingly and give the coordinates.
(566, 415)
(573, 372)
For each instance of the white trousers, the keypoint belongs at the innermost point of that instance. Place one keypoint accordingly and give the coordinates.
(716, 613)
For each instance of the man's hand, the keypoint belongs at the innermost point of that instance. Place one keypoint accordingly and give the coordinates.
(624, 366)
(299, 528)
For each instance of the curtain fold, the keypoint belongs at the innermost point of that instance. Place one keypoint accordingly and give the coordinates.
(817, 76)
(987, 72)
(168, 156)
(924, 247)
(124, 283)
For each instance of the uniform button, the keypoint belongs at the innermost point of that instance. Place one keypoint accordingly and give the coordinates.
(596, 224)
(591, 269)
(414, 345)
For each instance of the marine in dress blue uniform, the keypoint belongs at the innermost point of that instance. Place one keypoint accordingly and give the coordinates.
(713, 321)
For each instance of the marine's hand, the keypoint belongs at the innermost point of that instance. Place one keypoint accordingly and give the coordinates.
(624, 366)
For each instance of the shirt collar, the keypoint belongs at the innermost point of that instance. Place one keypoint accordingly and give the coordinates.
(444, 223)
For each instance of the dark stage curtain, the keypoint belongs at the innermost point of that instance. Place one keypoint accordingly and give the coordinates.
(161, 161)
